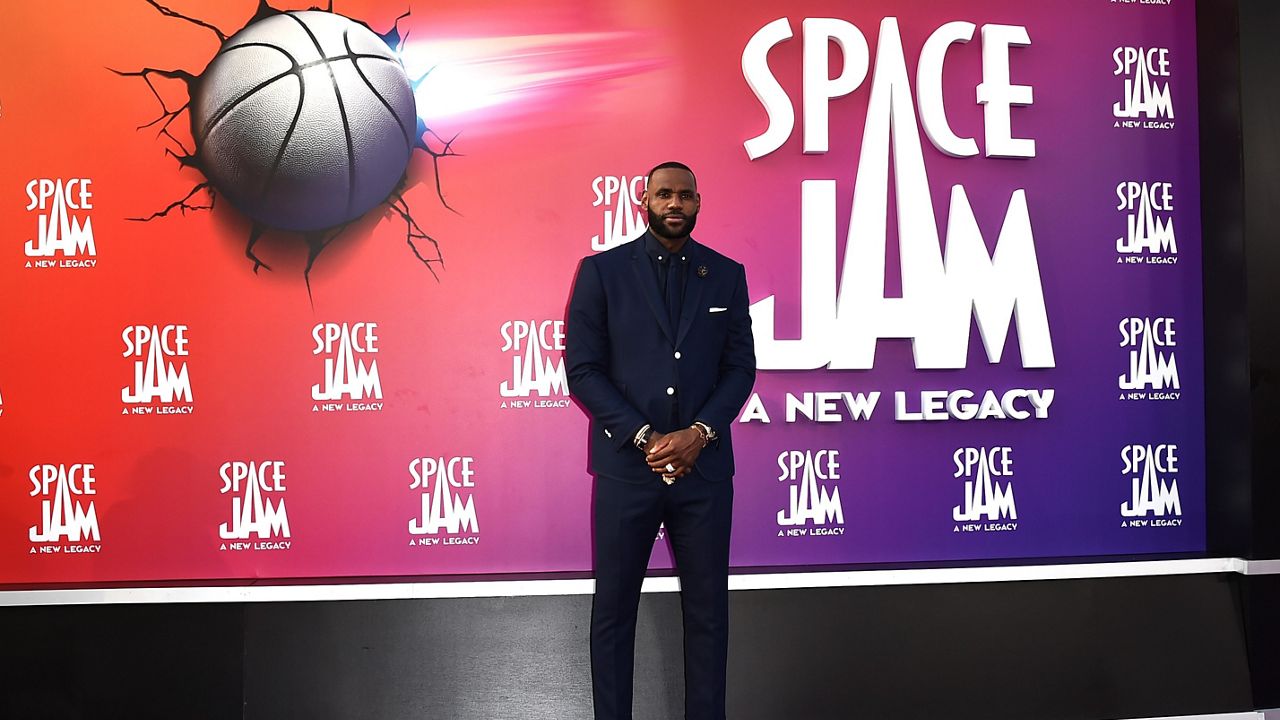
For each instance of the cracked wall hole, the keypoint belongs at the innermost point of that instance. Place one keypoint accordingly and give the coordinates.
(261, 125)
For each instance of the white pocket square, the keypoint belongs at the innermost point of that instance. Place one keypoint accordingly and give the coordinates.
(716, 309)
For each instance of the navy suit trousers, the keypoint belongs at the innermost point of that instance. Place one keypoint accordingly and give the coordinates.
(698, 516)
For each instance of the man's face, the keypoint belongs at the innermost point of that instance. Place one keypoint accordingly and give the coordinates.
(672, 201)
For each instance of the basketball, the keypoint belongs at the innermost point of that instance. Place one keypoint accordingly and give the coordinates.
(304, 120)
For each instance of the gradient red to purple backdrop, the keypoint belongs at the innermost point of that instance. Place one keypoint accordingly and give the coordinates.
(546, 98)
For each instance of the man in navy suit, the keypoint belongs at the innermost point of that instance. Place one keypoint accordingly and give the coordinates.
(659, 351)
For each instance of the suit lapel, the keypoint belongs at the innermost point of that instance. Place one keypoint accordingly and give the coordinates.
(648, 285)
(692, 291)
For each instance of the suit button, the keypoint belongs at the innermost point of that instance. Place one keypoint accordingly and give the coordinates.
(671, 391)
(677, 354)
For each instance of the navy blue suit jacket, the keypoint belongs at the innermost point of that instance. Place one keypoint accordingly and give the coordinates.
(626, 363)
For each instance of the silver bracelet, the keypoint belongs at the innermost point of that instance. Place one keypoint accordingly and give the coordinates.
(638, 440)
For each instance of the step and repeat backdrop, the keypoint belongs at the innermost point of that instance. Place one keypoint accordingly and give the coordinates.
(285, 286)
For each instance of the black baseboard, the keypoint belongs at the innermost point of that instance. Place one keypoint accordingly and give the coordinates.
(1096, 648)
(132, 662)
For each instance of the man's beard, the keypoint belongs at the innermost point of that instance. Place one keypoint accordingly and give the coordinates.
(659, 228)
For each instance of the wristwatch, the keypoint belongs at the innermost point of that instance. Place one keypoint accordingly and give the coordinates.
(708, 434)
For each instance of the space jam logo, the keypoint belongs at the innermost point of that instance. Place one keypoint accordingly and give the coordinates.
(1153, 369)
(988, 503)
(447, 516)
(618, 197)
(845, 306)
(259, 519)
(1152, 472)
(350, 368)
(1148, 212)
(64, 230)
(161, 384)
(536, 350)
(812, 503)
(68, 518)
(1146, 102)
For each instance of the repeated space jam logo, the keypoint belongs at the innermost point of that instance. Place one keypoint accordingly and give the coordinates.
(1146, 95)
(1148, 211)
(67, 514)
(64, 230)
(988, 503)
(813, 498)
(258, 513)
(446, 488)
(350, 367)
(624, 217)
(536, 350)
(1152, 471)
(161, 384)
(1153, 368)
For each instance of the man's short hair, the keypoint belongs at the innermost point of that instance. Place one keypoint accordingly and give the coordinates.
(672, 165)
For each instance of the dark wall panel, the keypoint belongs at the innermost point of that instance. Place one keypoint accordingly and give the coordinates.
(1227, 421)
(1136, 647)
(488, 658)
(121, 661)
(1260, 92)
(1260, 97)
(1133, 647)
(1262, 616)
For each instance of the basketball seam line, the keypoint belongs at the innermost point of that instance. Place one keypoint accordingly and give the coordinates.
(284, 144)
(296, 70)
(342, 110)
(408, 141)
(317, 61)
(230, 105)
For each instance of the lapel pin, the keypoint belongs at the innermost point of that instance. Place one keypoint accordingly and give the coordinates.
(702, 271)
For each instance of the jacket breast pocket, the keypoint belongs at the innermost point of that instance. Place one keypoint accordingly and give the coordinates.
(715, 315)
